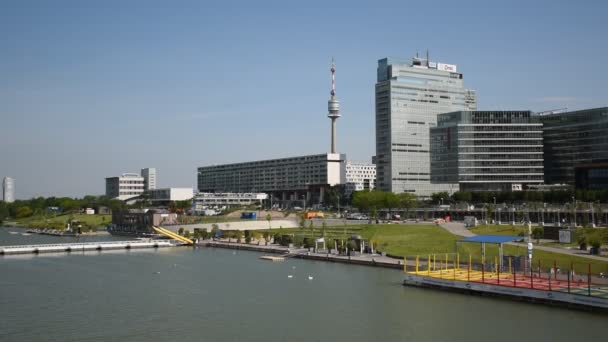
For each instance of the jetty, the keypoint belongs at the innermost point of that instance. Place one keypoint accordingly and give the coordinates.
(520, 280)
(86, 246)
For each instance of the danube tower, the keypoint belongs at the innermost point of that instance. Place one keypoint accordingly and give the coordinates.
(333, 107)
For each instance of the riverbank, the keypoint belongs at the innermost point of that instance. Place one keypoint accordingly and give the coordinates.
(376, 260)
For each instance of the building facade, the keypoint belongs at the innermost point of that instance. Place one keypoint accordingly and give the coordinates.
(127, 186)
(149, 175)
(209, 200)
(8, 189)
(487, 150)
(301, 179)
(359, 177)
(592, 176)
(170, 194)
(409, 96)
(573, 138)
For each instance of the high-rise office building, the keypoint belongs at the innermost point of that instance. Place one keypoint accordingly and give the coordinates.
(8, 189)
(572, 139)
(149, 175)
(409, 96)
(487, 150)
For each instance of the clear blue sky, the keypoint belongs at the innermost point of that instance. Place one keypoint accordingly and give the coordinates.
(91, 89)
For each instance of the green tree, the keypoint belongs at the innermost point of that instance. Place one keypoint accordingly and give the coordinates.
(23, 212)
(438, 196)
(3, 211)
(269, 218)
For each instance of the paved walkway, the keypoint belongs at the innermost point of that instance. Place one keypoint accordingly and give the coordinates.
(458, 228)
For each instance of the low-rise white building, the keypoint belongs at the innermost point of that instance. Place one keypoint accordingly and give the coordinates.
(359, 177)
(124, 187)
(170, 194)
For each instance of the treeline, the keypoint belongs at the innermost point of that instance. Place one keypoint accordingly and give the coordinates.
(556, 197)
(41, 205)
(371, 201)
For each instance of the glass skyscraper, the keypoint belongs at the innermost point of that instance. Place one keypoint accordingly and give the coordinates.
(409, 96)
(487, 150)
(573, 138)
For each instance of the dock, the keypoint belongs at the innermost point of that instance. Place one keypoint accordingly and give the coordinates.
(86, 246)
(536, 284)
(272, 258)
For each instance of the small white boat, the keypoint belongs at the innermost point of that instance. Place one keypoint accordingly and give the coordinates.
(290, 276)
(310, 277)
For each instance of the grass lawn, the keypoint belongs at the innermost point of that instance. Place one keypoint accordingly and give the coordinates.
(94, 220)
(494, 229)
(410, 240)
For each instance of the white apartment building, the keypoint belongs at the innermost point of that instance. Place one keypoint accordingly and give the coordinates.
(359, 177)
(127, 186)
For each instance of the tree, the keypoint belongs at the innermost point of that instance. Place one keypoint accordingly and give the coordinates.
(180, 231)
(438, 196)
(408, 201)
(3, 211)
(332, 196)
(23, 212)
(311, 226)
(269, 218)
(538, 233)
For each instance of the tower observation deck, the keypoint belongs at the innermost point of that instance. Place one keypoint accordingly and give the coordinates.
(333, 107)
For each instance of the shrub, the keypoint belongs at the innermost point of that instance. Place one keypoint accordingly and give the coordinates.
(309, 242)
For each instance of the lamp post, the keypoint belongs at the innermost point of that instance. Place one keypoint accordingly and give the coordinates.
(495, 211)
(574, 210)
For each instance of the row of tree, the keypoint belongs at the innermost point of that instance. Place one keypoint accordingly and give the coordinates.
(371, 201)
(554, 196)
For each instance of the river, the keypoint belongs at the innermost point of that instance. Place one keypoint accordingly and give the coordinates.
(207, 294)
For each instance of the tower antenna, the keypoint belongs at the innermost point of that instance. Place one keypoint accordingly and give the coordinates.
(333, 106)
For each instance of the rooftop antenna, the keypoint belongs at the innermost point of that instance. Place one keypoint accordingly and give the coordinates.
(427, 57)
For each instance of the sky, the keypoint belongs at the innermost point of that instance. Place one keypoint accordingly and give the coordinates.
(93, 89)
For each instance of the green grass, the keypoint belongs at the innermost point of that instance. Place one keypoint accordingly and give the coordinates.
(499, 230)
(410, 240)
(93, 220)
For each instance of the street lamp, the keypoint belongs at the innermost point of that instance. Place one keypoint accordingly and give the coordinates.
(574, 210)
(495, 211)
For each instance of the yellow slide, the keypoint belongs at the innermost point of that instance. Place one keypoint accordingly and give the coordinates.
(172, 235)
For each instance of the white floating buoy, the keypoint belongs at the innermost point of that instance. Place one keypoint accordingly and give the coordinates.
(158, 272)
(290, 276)
(309, 277)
